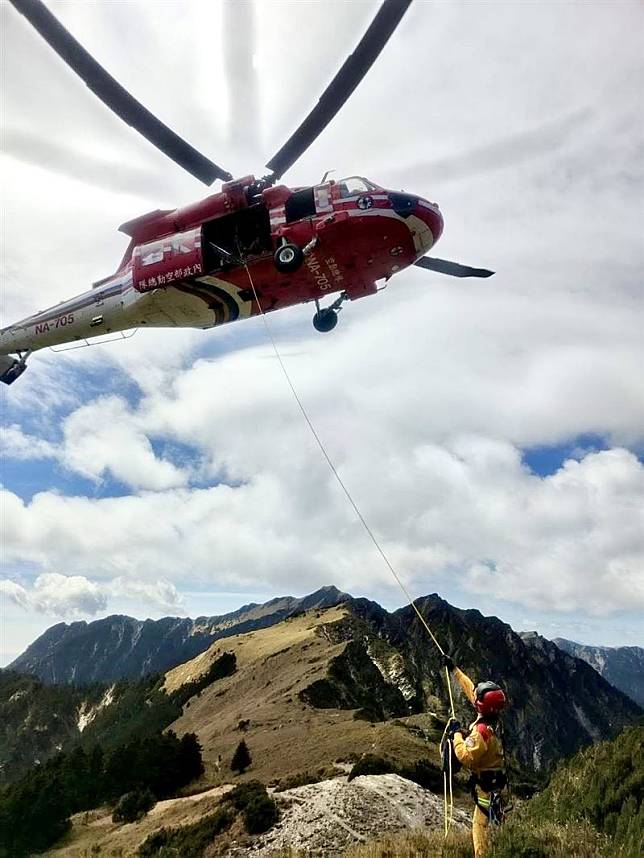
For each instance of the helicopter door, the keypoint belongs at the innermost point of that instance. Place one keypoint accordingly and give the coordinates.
(300, 205)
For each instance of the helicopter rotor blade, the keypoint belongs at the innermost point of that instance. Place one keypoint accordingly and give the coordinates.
(444, 266)
(343, 84)
(116, 97)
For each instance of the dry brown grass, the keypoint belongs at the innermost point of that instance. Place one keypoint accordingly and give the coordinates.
(94, 833)
(547, 840)
(285, 736)
(412, 844)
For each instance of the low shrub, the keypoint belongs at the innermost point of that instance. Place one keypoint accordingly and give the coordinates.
(260, 814)
(189, 841)
(241, 795)
(133, 805)
(424, 773)
(297, 780)
(416, 844)
(371, 764)
(521, 838)
(259, 810)
(303, 778)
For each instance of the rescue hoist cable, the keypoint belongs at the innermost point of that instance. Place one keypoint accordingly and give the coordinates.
(372, 536)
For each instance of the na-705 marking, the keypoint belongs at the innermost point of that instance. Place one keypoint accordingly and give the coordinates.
(60, 322)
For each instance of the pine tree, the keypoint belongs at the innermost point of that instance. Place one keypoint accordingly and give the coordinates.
(241, 758)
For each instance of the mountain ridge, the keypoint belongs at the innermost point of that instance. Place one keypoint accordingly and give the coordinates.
(375, 666)
(622, 666)
(121, 647)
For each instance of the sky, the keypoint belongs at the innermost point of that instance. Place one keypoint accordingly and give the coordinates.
(491, 432)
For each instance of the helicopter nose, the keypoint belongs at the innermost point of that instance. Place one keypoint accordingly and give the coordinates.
(424, 219)
(431, 216)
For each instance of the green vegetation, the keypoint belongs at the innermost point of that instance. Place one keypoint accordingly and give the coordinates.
(143, 707)
(189, 841)
(371, 764)
(123, 750)
(600, 789)
(555, 842)
(133, 805)
(303, 778)
(354, 682)
(258, 808)
(592, 808)
(423, 772)
(35, 811)
(223, 666)
(241, 758)
(36, 720)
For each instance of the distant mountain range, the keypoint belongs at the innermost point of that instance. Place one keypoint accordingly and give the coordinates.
(622, 666)
(307, 669)
(120, 647)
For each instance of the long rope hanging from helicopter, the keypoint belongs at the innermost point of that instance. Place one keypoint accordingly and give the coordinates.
(444, 745)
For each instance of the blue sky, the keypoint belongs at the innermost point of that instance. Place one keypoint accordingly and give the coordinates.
(491, 432)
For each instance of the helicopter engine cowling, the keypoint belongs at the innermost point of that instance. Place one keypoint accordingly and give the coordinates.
(168, 260)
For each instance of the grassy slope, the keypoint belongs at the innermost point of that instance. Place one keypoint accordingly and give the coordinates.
(95, 830)
(601, 786)
(284, 736)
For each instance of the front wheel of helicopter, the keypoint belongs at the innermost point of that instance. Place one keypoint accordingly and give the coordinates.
(288, 258)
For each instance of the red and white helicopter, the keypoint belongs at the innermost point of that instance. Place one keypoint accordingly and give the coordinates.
(257, 245)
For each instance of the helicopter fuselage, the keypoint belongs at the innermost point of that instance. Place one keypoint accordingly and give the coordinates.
(214, 261)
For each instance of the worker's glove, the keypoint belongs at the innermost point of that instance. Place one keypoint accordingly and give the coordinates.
(447, 661)
(453, 728)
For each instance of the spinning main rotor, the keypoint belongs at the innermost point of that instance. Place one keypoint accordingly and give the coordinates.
(131, 111)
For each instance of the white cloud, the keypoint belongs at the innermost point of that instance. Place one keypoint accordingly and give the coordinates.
(76, 596)
(569, 541)
(102, 437)
(15, 444)
(99, 438)
(424, 395)
(161, 595)
(58, 595)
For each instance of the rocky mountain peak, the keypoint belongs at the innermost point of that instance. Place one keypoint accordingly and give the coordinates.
(622, 666)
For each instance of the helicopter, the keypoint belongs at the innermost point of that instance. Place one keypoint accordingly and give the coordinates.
(254, 247)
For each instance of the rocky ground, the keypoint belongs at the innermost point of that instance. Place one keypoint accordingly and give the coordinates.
(326, 818)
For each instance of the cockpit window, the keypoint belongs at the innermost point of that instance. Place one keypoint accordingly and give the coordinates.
(355, 185)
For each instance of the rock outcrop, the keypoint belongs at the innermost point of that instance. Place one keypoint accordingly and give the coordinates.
(327, 817)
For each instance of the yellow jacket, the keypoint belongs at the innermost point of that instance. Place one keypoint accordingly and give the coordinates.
(480, 748)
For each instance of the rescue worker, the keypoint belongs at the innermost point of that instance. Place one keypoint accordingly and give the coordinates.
(480, 750)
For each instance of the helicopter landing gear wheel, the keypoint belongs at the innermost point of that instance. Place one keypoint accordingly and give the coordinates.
(288, 258)
(325, 320)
